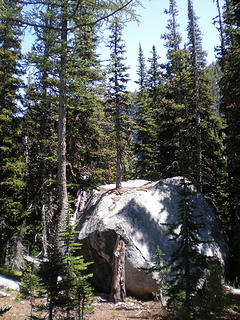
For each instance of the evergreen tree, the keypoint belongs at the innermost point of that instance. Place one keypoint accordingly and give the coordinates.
(118, 100)
(106, 166)
(146, 145)
(162, 119)
(145, 128)
(12, 164)
(76, 289)
(173, 119)
(170, 114)
(230, 107)
(212, 301)
(173, 37)
(186, 262)
(220, 28)
(69, 19)
(141, 70)
(41, 139)
(83, 133)
(154, 75)
(53, 269)
(215, 74)
(31, 288)
(206, 155)
(197, 62)
(65, 278)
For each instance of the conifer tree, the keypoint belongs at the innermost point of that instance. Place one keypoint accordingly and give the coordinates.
(141, 70)
(173, 37)
(212, 301)
(186, 262)
(83, 133)
(220, 28)
(154, 75)
(53, 269)
(146, 146)
(65, 277)
(171, 113)
(80, 105)
(230, 106)
(118, 102)
(69, 18)
(206, 155)
(164, 119)
(173, 120)
(76, 289)
(41, 140)
(197, 63)
(145, 167)
(31, 288)
(12, 164)
(177, 74)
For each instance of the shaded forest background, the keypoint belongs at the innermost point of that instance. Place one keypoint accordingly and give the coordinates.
(69, 124)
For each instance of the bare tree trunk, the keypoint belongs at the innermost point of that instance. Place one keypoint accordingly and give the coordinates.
(44, 232)
(118, 290)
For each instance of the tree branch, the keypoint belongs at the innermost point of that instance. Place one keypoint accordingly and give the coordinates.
(36, 25)
(110, 14)
(75, 10)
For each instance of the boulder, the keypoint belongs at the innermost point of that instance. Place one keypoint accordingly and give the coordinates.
(138, 212)
(9, 283)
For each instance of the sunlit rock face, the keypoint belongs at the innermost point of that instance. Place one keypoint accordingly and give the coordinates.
(139, 212)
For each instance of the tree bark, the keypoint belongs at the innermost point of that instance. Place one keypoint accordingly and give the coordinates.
(221, 33)
(118, 137)
(118, 290)
(62, 175)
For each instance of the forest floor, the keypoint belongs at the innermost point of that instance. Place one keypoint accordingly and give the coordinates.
(102, 309)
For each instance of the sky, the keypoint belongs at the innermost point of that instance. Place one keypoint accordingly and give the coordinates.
(153, 23)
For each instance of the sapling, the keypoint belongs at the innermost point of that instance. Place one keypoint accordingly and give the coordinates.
(31, 287)
(186, 262)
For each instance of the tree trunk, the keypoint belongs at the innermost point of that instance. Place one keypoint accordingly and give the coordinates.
(44, 232)
(118, 142)
(221, 34)
(62, 175)
(118, 290)
(198, 134)
(17, 262)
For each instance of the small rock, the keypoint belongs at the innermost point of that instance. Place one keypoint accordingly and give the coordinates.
(9, 283)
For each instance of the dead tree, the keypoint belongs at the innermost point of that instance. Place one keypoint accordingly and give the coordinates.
(118, 289)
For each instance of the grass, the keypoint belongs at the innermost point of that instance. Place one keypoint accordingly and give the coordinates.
(15, 275)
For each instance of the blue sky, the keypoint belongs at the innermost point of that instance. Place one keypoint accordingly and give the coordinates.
(153, 23)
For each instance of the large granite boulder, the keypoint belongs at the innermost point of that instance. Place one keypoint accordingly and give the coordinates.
(139, 213)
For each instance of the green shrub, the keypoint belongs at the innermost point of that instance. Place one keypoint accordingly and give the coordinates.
(212, 300)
